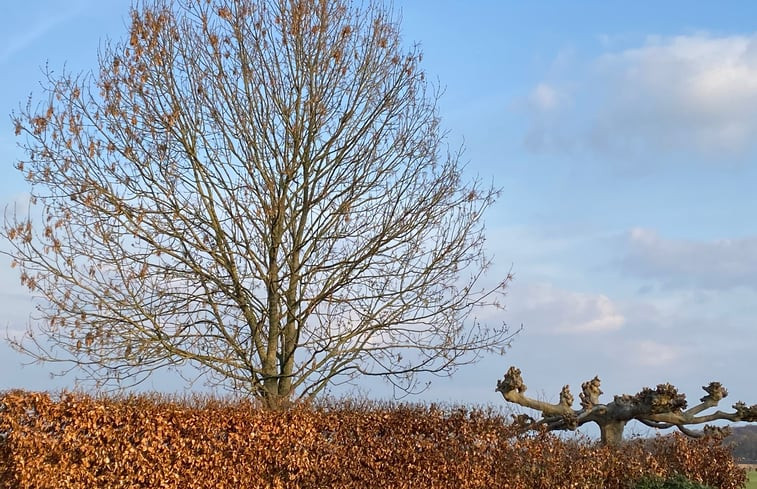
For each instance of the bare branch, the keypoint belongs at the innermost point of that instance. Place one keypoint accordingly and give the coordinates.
(259, 190)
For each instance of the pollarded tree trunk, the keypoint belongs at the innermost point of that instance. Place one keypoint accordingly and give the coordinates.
(660, 408)
(611, 432)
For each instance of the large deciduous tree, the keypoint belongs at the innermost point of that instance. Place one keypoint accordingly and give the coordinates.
(259, 188)
(662, 408)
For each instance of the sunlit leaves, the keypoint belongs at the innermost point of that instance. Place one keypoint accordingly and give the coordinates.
(203, 442)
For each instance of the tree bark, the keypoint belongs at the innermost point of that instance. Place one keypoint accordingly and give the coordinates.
(612, 432)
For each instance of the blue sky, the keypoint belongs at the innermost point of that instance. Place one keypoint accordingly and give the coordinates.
(624, 138)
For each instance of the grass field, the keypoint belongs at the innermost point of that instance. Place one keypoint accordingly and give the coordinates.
(752, 483)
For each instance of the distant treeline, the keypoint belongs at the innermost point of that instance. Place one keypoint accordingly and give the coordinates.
(743, 443)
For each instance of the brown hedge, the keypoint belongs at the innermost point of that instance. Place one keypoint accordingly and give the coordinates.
(77, 441)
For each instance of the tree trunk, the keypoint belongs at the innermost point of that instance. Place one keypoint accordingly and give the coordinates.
(612, 432)
(276, 402)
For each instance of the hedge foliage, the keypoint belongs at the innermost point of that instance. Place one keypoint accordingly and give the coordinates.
(78, 441)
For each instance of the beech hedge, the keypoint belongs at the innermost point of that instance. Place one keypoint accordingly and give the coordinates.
(73, 440)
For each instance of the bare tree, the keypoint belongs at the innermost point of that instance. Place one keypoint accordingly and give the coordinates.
(660, 408)
(258, 188)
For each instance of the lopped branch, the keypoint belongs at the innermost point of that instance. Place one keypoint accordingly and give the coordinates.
(715, 392)
(513, 389)
(590, 393)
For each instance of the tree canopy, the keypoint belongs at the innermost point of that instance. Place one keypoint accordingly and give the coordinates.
(260, 189)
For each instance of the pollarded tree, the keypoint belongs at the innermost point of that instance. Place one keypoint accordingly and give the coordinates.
(661, 408)
(257, 188)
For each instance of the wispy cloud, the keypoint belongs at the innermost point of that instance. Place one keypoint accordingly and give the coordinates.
(543, 307)
(545, 97)
(29, 33)
(696, 94)
(718, 264)
(650, 353)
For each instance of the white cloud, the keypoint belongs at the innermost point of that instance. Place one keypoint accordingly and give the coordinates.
(720, 264)
(544, 97)
(546, 308)
(696, 94)
(649, 353)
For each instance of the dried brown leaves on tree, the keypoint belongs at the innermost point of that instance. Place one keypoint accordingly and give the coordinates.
(662, 408)
(257, 188)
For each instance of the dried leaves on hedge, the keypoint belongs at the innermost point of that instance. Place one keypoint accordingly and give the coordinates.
(77, 441)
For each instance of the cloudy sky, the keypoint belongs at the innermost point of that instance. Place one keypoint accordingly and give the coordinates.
(624, 138)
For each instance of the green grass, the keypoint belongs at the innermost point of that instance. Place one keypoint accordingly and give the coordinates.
(752, 482)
